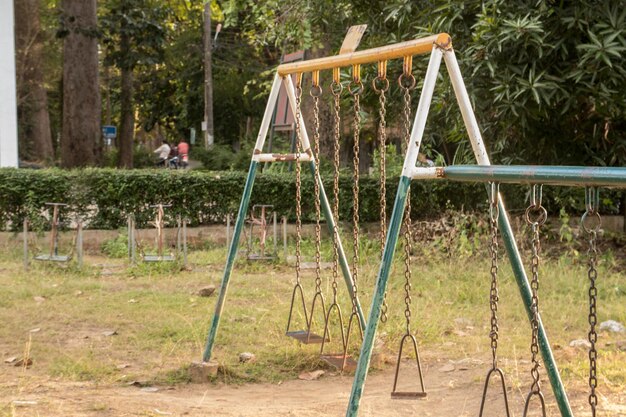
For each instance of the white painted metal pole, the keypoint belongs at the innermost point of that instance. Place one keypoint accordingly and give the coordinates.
(291, 93)
(476, 139)
(422, 112)
(8, 98)
(267, 116)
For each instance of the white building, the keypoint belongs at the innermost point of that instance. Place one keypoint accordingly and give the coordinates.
(8, 100)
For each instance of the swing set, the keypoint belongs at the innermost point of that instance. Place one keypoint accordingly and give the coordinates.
(53, 254)
(159, 226)
(440, 48)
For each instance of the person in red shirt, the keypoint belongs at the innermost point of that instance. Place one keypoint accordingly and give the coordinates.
(183, 153)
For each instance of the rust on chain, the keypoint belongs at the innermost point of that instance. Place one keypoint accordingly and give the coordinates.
(439, 172)
(446, 44)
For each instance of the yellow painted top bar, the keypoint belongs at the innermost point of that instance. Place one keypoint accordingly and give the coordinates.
(397, 50)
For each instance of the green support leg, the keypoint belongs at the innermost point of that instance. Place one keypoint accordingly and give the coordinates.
(525, 291)
(381, 285)
(232, 253)
(343, 262)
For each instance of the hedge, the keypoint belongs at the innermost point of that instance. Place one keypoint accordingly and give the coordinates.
(105, 197)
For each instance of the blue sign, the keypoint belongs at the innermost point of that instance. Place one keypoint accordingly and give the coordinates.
(109, 132)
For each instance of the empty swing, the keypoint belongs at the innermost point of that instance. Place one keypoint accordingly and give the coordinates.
(53, 253)
(494, 214)
(304, 336)
(407, 83)
(341, 360)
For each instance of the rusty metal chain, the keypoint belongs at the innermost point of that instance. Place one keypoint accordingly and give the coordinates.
(535, 216)
(336, 89)
(494, 214)
(355, 88)
(591, 222)
(316, 92)
(407, 84)
(298, 88)
(380, 85)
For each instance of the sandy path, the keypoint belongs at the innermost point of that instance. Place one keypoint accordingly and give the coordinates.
(455, 393)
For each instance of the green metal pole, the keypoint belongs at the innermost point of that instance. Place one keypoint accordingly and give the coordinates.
(536, 174)
(232, 253)
(343, 262)
(525, 291)
(379, 294)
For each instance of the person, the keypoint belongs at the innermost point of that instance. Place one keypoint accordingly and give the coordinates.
(164, 152)
(183, 153)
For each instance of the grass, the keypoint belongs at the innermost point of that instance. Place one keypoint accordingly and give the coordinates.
(161, 323)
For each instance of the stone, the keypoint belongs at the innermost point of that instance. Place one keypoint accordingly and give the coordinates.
(39, 299)
(12, 359)
(201, 372)
(149, 389)
(246, 357)
(207, 291)
(621, 345)
(612, 326)
(580, 343)
(23, 362)
(109, 333)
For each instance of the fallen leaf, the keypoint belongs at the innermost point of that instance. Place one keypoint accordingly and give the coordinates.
(123, 366)
(110, 333)
(149, 389)
(35, 330)
(163, 413)
(39, 299)
(10, 360)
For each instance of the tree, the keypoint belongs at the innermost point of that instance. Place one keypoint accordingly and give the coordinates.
(134, 38)
(81, 137)
(34, 121)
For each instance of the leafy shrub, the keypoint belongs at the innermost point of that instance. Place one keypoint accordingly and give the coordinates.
(104, 198)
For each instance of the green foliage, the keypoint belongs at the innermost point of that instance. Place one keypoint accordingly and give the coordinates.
(116, 247)
(105, 197)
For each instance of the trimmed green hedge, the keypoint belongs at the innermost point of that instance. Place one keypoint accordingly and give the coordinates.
(104, 197)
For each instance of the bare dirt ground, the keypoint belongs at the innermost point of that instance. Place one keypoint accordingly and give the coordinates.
(454, 392)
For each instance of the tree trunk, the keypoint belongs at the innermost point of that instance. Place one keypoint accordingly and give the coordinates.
(81, 140)
(35, 139)
(127, 123)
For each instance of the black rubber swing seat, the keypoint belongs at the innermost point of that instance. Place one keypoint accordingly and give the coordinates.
(305, 337)
(399, 395)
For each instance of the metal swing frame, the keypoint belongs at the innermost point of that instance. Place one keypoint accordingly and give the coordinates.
(259, 157)
(181, 240)
(441, 48)
(53, 255)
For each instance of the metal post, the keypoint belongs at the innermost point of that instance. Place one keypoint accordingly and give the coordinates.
(25, 237)
(275, 225)
(133, 241)
(128, 238)
(184, 242)
(79, 243)
(507, 233)
(284, 222)
(179, 230)
(232, 253)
